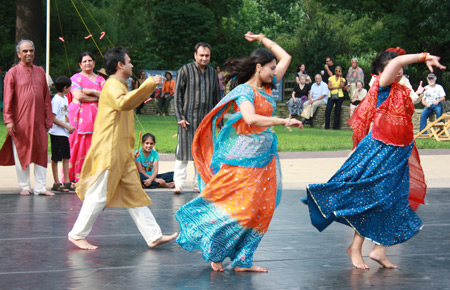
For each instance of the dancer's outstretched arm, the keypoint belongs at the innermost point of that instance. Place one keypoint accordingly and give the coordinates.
(393, 68)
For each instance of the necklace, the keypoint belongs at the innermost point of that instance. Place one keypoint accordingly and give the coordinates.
(91, 76)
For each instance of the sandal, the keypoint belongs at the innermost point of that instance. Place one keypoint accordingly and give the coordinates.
(69, 186)
(59, 187)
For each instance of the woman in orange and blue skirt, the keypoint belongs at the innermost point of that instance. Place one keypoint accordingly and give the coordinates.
(238, 167)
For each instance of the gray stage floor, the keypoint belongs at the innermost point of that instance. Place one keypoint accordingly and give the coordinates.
(35, 253)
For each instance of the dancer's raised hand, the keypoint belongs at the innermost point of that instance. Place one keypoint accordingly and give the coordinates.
(433, 60)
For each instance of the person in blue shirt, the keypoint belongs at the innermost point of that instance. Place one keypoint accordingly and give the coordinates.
(147, 162)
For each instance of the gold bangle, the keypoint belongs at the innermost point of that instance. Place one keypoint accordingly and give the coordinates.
(274, 121)
(272, 44)
(288, 123)
(260, 38)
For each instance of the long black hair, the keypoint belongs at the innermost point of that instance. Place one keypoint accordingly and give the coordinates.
(298, 67)
(381, 61)
(240, 70)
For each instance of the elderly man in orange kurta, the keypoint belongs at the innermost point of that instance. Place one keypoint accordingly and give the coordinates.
(109, 177)
(27, 113)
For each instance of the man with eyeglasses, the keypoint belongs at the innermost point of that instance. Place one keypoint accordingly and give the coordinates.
(330, 67)
(28, 116)
(433, 95)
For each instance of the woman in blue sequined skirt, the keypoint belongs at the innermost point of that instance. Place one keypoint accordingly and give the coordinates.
(381, 184)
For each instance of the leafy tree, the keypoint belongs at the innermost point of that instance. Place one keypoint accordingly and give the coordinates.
(7, 33)
(415, 25)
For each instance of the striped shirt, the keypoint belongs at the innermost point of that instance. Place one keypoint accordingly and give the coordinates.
(196, 93)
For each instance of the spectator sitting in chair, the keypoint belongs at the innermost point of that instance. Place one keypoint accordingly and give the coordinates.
(433, 95)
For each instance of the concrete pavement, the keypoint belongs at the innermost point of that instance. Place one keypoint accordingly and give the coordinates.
(298, 169)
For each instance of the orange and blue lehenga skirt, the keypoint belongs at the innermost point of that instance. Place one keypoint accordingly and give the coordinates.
(240, 183)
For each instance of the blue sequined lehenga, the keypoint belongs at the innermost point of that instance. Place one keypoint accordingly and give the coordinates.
(369, 192)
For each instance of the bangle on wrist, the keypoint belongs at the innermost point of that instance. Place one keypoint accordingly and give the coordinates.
(272, 44)
(260, 38)
(422, 57)
(274, 121)
(288, 123)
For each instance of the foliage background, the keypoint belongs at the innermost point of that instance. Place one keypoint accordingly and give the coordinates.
(161, 34)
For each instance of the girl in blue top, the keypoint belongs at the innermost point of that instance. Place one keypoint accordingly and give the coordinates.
(147, 162)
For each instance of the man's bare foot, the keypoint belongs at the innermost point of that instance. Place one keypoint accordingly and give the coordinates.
(217, 267)
(163, 240)
(47, 193)
(251, 269)
(171, 184)
(25, 192)
(382, 260)
(357, 259)
(177, 190)
(83, 244)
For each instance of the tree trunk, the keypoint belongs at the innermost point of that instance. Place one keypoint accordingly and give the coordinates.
(29, 25)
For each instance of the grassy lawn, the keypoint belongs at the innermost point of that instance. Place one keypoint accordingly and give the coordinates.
(309, 139)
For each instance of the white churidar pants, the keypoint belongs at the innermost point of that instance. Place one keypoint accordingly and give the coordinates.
(180, 174)
(23, 176)
(94, 203)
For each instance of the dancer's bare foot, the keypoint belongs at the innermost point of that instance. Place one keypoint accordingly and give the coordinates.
(25, 192)
(217, 267)
(357, 259)
(47, 193)
(171, 185)
(196, 190)
(83, 244)
(177, 190)
(381, 259)
(251, 269)
(163, 240)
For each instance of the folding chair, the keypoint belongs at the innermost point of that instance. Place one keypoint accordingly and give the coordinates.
(437, 129)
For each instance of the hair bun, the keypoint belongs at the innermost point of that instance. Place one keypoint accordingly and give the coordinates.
(398, 50)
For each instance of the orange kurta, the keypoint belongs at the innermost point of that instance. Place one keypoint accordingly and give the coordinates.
(27, 104)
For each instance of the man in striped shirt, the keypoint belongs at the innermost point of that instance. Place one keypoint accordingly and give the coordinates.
(197, 91)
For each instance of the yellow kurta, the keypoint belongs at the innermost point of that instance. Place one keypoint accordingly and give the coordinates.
(113, 143)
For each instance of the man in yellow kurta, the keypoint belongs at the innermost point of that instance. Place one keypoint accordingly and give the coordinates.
(109, 177)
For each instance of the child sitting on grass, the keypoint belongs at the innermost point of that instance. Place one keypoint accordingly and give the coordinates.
(59, 133)
(147, 162)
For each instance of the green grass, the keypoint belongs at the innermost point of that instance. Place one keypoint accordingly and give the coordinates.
(309, 139)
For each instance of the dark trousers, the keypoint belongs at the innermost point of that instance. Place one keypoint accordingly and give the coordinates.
(167, 177)
(162, 101)
(337, 113)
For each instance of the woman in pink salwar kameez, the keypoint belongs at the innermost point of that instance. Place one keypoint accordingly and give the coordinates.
(86, 88)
